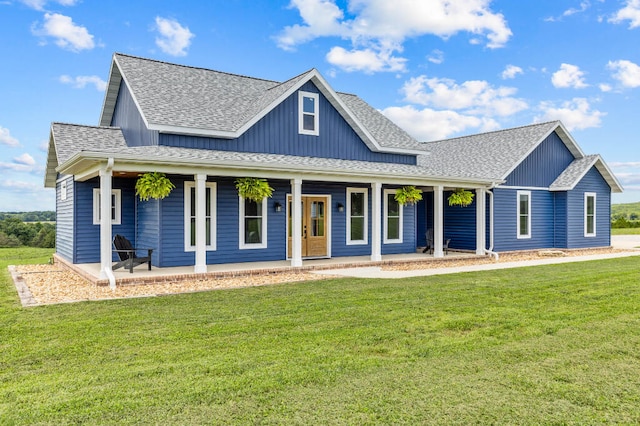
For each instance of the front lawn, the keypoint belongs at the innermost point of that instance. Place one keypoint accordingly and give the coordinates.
(625, 231)
(544, 345)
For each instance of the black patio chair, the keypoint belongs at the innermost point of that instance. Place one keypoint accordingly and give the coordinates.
(429, 246)
(127, 254)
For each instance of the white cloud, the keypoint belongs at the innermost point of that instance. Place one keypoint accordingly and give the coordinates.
(604, 87)
(626, 72)
(40, 4)
(66, 33)
(511, 71)
(367, 60)
(624, 164)
(436, 57)
(630, 12)
(25, 159)
(174, 39)
(568, 76)
(80, 82)
(475, 97)
(379, 27)
(6, 138)
(575, 114)
(428, 124)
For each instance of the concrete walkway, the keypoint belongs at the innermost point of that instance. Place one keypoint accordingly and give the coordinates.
(626, 242)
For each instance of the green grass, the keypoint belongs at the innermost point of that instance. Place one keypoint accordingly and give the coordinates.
(542, 345)
(625, 231)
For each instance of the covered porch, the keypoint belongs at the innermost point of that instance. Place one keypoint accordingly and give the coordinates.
(92, 271)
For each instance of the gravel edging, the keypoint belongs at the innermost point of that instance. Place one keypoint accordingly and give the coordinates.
(51, 284)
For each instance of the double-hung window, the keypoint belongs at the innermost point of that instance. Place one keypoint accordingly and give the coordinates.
(190, 216)
(308, 114)
(253, 224)
(589, 214)
(392, 218)
(524, 214)
(116, 206)
(357, 223)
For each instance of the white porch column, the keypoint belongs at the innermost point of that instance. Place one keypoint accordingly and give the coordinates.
(376, 221)
(481, 221)
(201, 224)
(105, 224)
(438, 220)
(296, 222)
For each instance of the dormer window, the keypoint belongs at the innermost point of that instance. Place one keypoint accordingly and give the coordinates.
(308, 114)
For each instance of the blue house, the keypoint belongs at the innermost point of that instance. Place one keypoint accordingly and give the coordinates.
(334, 162)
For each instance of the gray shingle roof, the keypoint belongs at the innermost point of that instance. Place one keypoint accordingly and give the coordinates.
(197, 98)
(572, 175)
(71, 139)
(491, 155)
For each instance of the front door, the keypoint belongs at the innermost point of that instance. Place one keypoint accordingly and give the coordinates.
(314, 226)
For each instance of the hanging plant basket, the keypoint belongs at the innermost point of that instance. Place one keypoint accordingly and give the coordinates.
(153, 185)
(408, 195)
(461, 197)
(253, 189)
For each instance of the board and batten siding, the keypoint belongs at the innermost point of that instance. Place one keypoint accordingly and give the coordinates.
(148, 227)
(277, 133)
(591, 182)
(506, 221)
(547, 161)
(127, 116)
(460, 224)
(65, 219)
(86, 234)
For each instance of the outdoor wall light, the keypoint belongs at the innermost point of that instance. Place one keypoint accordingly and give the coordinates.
(340, 207)
(277, 206)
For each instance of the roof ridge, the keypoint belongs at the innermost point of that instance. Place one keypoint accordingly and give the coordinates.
(496, 131)
(86, 125)
(291, 79)
(196, 68)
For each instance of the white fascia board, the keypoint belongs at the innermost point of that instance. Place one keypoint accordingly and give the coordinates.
(86, 165)
(115, 76)
(608, 175)
(123, 77)
(50, 174)
(564, 135)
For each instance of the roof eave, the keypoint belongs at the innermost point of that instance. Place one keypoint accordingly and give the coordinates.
(86, 162)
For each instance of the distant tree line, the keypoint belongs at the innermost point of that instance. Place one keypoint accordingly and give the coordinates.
(44, 216)
(33, 229)
(621, 221)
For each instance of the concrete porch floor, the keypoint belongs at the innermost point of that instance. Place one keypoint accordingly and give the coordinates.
(141, 274)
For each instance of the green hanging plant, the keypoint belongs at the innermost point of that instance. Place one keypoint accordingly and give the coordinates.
(461, 197)
(153, 185)
(253, 189)
(408, 195)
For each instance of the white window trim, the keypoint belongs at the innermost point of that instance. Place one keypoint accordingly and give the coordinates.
(187, 216)
(243, 245)
(386, 240)
(96, 206)
(365, 240)
(528, 234)
(316, 115)
(586, 196)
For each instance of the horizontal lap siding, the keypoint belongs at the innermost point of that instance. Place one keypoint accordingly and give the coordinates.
(65, 220)
(87, 235)
(277, 133)
(409, 226)
(506, 220)
(591, 182)
(543, 165)
(561, 220)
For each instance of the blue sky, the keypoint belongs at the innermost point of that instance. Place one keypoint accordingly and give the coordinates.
(437, 70)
